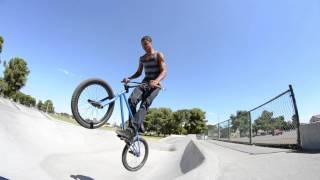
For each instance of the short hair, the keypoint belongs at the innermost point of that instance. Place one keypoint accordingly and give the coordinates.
(146, 38)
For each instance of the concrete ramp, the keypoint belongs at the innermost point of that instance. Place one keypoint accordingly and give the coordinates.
(35, 147)
(30, 111)
(6, 102)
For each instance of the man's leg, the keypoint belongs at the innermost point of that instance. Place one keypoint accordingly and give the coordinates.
(147, 99)
(133, 100)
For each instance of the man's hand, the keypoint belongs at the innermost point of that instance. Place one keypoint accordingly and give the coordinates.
(125, 80)
(154, 83)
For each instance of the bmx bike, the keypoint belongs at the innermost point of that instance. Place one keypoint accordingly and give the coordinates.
(92, 105)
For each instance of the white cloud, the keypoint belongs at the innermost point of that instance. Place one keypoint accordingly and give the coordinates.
(68, 73)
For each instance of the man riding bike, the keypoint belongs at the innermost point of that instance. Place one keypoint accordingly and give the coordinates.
(155, 69)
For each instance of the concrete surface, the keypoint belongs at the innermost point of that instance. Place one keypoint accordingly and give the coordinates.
(36, 147)
(310, 136)
(237, 161)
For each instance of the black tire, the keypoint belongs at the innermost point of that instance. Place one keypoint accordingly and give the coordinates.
(126, 152)
(75, 102)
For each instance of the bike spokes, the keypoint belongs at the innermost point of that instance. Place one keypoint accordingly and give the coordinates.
(89, 105)
(136, 154)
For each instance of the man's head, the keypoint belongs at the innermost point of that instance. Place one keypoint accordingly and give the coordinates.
(146, 42)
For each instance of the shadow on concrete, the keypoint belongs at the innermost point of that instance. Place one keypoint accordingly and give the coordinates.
(80, 177)
(306, 151)
(192, 157)
(2, 178)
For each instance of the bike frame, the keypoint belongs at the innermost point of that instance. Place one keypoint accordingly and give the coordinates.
(122, 96)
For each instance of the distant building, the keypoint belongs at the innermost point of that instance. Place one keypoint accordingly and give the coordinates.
(315, 119)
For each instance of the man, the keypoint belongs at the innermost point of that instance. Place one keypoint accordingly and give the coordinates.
(155, 69)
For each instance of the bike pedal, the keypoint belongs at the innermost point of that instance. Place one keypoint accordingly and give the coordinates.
(123, 138)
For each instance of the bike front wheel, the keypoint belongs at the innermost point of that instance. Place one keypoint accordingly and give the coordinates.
(87, 103)
(135, 154)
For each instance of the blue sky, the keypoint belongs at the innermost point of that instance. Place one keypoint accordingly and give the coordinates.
(222, 56)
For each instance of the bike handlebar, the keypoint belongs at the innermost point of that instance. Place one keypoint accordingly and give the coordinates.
(127, 87)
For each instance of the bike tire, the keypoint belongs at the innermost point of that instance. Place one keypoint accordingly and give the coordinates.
(126, 151)
(75, 98)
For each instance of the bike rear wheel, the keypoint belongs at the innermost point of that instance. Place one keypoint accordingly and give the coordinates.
(135, 154)
(86, 107)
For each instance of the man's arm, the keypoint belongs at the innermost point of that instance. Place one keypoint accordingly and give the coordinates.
(163, 68)
(137, 73)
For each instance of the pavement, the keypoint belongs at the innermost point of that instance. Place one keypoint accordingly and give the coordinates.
(33, 146)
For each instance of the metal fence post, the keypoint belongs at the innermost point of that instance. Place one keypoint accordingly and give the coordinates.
(218, 130)
(229, 129)
(250, 129)
(296, 114)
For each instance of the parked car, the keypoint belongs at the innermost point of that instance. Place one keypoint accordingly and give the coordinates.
(277, 132)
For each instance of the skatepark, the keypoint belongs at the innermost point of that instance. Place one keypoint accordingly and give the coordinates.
(206, 79)
(35, 146)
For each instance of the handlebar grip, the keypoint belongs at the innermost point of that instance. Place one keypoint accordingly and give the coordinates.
(159, 86)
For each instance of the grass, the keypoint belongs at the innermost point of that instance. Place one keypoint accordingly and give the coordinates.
(63, 118)
(107, 128)
(73, 121)
(153, 138)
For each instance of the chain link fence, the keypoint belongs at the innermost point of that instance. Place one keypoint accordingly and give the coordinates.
(274, 123)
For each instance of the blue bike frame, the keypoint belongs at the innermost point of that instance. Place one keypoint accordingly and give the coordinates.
(122, 96)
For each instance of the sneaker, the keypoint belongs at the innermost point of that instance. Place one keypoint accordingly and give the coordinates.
(127, 133)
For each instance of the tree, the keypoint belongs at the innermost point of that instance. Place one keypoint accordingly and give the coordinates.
(33, 102)
(166, 122)
(3, 86)
(268, 123)
(180, 118)
(149, 120)
(240, 122)
(160, 121)
(152, 121)
(48, 106)
(15, 75)
(264, 122)
(255, 128)
(16, 96)
(279, 123)
(1, 43)
(39, 105)
(196, 123)
(24, 99)
(29, 101)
